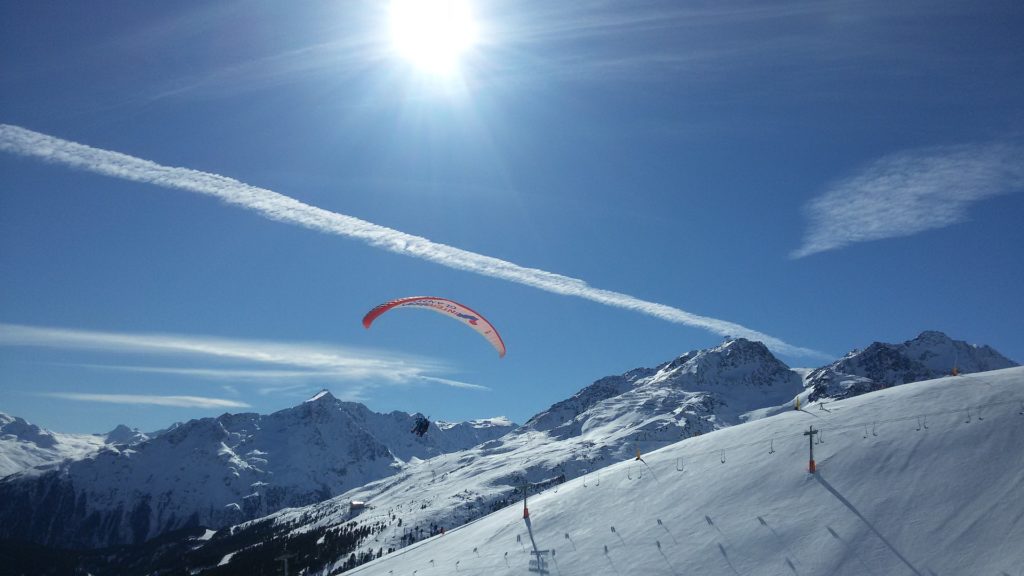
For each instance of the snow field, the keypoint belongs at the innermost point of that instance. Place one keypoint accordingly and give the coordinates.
(942, 500)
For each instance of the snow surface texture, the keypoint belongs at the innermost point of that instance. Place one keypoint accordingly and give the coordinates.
(218, 471)
(922, 479)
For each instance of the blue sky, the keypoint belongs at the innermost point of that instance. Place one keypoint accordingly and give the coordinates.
(198, 202)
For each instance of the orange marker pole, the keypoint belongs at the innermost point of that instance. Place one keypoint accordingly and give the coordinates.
(810, 438)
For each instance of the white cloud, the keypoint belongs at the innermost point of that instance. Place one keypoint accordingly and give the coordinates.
(711, 42)
(231, 374)
(279, 376)
(308, 362)
(454, 383)
(910, 192)
(139, 399)
(353, 363)
(282, 208)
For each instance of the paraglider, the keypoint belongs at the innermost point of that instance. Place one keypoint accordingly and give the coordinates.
(449, 308)
(421, 426)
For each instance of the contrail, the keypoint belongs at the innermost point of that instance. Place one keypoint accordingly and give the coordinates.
(275, 206)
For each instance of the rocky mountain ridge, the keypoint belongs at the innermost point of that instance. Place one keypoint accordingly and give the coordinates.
(930, 355)
(218, 471)
(613, 419)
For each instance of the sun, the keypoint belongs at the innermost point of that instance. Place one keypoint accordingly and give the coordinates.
(433, 34)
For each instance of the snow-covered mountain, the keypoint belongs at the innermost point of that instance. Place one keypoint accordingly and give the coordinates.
(219, 471)
(613, 420)
(124, 435)
(915, 479)
(606, 422)
(24, 445)
(880, 365)
(695, 393)
(899, 499)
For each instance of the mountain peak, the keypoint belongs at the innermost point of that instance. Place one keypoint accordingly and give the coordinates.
(747, 346)
(322, 396)
(932, 354)
(739, 373)
(124, 435)
(732, 357)
(24, 430)
(741, 341)
(933, 336)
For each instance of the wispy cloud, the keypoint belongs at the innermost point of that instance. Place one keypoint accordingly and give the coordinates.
(307, 362)
(281, 208)
(910, 192)
(581, 20)
(711, 41)
(230, 374)
(140, 399)
(348, 362)
(589, 39)
(281, 376)
(338, 58)
(453, 383)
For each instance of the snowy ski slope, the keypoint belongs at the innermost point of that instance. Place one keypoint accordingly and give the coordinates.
(921, 479)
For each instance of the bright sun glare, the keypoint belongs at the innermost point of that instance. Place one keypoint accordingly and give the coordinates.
(432, 34)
